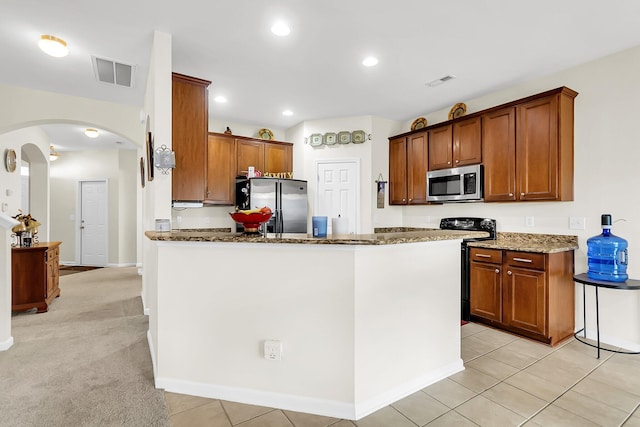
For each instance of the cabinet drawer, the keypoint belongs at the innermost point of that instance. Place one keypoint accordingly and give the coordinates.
(52, 254)
(486, 255)
(526, 260)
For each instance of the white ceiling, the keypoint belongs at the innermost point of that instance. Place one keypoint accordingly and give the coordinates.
(316, 71)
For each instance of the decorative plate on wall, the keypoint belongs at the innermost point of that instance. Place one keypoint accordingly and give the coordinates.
(457, 110)
(419, 123)
(315, 139)
(344, 137)
(10, 160)
(265, 134)
(330, 138)
(358, 136)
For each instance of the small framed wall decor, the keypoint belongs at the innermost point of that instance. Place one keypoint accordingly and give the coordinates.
(149, 157)
(329, 138)
(142, 171)
(358, 136)
(344, 137)
(315, 140)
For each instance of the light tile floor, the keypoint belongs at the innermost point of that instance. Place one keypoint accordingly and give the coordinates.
(507, 381)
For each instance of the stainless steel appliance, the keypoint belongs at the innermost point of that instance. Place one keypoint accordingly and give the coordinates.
(468, 224)
(461, 184)
(287, 198)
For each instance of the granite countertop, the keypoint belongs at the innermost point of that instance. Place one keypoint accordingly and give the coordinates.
(388, 238)
(525, 242)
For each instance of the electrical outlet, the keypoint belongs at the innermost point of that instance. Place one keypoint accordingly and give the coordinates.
(577, 223)
(529, 221)
(273, 350)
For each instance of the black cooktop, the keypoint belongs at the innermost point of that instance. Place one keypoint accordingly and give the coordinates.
(470, 224)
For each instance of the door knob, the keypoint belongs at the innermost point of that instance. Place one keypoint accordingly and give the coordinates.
(497, 270)
(509, 273)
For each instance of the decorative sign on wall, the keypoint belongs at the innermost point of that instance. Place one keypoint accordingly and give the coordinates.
(380, 183)
(332, 138)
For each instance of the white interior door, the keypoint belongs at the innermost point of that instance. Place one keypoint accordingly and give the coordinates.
(93, 223)
(338, 192)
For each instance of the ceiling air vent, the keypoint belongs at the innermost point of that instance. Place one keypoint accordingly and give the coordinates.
(441, 80)
(113, 72)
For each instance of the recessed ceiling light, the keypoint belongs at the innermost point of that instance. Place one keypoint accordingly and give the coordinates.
(287, 113)
(91, 133)
(370, 61)
(220, 99)
(280, 29)
(441, 80)
(53, 46)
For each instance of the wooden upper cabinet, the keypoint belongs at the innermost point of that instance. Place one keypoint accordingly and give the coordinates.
(499, 153)
(267, 157)
(456, 144)
(249, 153)
(467, 145)
(441, 147)
(417, 155)
(408, 170)
(398, 171)
(221, 170)
(190, 120)
(278, 158)
(528, 149)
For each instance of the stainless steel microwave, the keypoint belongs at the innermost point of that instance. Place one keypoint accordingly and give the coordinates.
(463, 184)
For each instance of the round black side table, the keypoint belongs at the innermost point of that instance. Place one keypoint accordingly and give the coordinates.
(587, 281)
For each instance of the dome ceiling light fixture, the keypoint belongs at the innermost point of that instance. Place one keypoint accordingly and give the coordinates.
(53, 46)
(53, 154)
(370, 61)
(91, 133)
(280, 29)
(220, 99)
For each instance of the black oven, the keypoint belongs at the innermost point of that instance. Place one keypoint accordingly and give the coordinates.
(468, 224)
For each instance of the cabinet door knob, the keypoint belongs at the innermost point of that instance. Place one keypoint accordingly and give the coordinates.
(521, 194)
(509, 273)
(448, 163)
(510, 194)
(404, 200)
(410, 200)
(497, 270)
(457, 161)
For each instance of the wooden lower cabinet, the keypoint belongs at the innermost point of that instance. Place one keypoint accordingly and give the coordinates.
(531, 294)
(35, 276)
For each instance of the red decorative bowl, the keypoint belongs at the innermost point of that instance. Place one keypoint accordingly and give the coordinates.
(251, 221)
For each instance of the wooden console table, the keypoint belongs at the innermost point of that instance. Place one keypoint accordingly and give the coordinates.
(34, 276)
(586, 280)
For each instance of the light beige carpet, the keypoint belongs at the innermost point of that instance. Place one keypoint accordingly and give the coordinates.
(85, 362)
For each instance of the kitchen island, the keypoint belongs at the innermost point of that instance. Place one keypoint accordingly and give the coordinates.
(363, 320)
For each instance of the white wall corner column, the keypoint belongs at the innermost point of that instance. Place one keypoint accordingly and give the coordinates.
(362, 326)
(6, 340)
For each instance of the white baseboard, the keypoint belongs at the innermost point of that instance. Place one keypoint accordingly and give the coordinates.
(261, 398)
(6, 344)
(153, 356)
(328, 408)
(612, 341)
(369, 406)
(126, 264)
(145, 309)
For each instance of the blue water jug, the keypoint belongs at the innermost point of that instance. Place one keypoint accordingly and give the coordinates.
(607, 255)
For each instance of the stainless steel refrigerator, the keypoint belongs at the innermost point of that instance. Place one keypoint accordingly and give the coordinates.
(287, 198)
